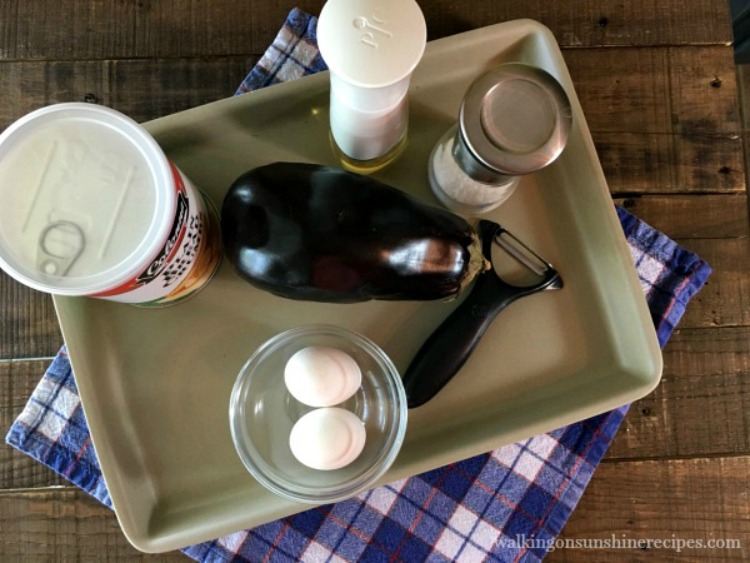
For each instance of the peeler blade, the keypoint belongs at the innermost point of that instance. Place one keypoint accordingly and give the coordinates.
(450, 345)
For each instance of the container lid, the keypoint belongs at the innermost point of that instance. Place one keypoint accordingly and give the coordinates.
(86, 199)
(515, 119)
(371, 43)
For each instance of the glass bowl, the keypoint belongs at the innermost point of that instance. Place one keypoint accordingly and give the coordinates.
(262, 413)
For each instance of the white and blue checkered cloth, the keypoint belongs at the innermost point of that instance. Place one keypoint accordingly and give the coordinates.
(474, 510)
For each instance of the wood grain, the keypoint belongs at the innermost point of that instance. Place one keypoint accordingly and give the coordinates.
(663, 120)
(590, 23)
(700, 499)
(743, 82)
(725, 299)
(686, 90)
(699, 408)
(28, 325)
(703, 86)
(64, 525)
(104, 29)
(655, 163)
(143, 89)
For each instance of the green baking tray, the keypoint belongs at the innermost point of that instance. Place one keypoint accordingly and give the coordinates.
(155, 384)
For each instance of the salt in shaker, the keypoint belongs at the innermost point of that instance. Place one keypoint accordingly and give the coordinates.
(371, 48)
(514, 120)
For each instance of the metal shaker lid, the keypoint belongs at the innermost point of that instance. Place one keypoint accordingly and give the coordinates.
(515, 119)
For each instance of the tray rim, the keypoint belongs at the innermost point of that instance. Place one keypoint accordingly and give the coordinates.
(155, 543)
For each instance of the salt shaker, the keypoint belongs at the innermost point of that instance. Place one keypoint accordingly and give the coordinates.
(514, 120)
(371, 48)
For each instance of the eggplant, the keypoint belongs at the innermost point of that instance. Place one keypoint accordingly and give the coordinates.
(319, 233)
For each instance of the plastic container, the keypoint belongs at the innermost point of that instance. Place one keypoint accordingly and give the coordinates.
(371, 48)
(262, 414)
(91, 206)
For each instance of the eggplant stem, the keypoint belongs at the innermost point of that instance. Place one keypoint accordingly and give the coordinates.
(478, 263)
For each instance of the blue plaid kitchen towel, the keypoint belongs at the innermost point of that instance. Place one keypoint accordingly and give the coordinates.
(474, 510)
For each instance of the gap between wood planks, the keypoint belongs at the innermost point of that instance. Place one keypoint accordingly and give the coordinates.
(675, 457)
(32, 359)
(49, 489)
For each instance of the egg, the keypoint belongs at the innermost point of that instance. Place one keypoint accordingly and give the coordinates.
(327, 438)
(322, 377)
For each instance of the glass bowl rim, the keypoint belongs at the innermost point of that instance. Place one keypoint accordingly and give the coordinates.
(379, 466)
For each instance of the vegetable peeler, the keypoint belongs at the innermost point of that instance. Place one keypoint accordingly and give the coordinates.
(451, 344)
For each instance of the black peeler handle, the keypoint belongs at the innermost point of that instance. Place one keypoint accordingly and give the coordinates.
(448, 348)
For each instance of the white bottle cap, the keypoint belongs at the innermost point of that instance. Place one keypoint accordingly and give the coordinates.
(371, 48)
(85, 199)
(371, 43)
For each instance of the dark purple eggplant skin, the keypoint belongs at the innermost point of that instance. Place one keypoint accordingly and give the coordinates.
(319, 233)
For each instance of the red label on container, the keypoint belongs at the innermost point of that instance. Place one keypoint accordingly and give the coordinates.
(170, 248)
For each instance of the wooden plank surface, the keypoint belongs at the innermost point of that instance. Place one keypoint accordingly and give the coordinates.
(64, 525)
(85, 29)
(656, 163)
(663, 120)
(724, 301)
(702, 499)
(699, 408)
(659, 90)
(143, 88)
(28, 325)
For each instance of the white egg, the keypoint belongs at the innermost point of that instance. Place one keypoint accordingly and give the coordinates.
(328, 438)
(322, 377)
